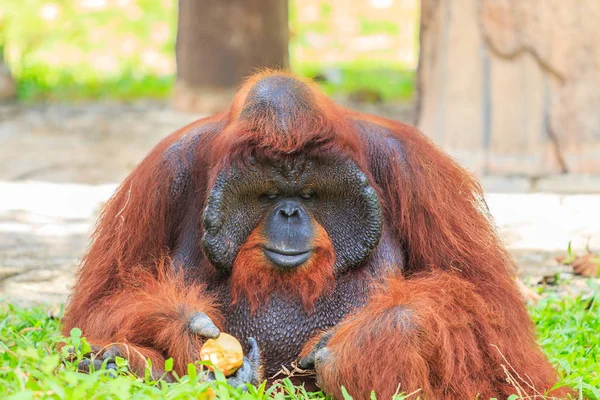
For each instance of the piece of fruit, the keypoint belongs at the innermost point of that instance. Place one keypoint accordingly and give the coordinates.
(225, 353)
(208, 394)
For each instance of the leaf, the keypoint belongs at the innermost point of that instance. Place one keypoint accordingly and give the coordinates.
(260, 391)
(148, 371)
(121, 362)
(85, 346)
(169, 364)
(29, 352)
(569, 258)
(219, 377)
(345, 394)
(594, 390)
(289, 386)
(569, 249)
(222, 390)
(75, 333)
(192, 371)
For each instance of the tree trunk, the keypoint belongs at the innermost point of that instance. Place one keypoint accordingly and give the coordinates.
(512, 87)
(7, 84)
(220, 42)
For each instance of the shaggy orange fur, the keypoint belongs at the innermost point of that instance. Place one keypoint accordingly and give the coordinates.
(453, 325)
(438, 336)
(254, 278)
(149, 313)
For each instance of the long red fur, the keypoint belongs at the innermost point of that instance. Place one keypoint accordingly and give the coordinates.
(434, 335)
(254, 278)
(150, 310)
(324, 127)
(462, 321)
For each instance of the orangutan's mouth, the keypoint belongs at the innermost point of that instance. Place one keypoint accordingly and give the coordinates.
(287, 258)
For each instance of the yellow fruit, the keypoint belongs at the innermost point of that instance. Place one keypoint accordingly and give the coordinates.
(208, 394)
(225, 353)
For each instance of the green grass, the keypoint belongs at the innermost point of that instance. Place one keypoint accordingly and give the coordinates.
(31, 367)
(569, 332)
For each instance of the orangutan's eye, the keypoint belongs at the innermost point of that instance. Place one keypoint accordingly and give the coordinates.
(269, 196)
(307, 196)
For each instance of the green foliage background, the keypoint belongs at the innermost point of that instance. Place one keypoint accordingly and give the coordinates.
(127, 52)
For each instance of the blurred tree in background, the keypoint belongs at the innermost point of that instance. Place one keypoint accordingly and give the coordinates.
(219, 43)
(7, 85)
(125, 49)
